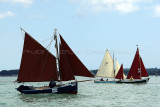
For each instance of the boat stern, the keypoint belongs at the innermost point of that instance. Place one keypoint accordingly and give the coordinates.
(71, 88)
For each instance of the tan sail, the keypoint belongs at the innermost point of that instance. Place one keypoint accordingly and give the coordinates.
(106, 68)
(117, 67)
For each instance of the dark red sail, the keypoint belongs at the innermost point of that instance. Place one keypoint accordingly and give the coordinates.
(37, 63)
(120, 73)
(77, 66)
(135, 68)
(143, 70)
(65, 66)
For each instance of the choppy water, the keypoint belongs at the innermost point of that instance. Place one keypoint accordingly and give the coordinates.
(89, 95)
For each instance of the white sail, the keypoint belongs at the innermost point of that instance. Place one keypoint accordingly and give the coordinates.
(124, 76)
(117, 69)
(106, 68)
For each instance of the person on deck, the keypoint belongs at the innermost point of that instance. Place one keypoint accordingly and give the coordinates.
(52, 84)
(101, 79)
(131, 79)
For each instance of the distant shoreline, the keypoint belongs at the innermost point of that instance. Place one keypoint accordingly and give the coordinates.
(151, 71)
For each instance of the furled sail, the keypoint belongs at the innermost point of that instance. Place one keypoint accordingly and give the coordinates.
(65, 66)
(77, 66)
(120, 74)
(135, 70)
(106, 68)
(37, 63)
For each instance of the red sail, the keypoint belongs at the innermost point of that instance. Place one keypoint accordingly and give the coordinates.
(143, 70)
(65, 67)
(120, 73)
(135, 68)
(77, 66)
(37, 63)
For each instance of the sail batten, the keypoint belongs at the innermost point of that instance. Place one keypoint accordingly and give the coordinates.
(37, 63)
(78, 67)
(106, 68)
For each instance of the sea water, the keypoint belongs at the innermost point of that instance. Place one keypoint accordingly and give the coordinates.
(90, 94)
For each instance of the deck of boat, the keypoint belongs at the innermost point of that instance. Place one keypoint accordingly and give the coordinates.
(134, 81)
(109, 81)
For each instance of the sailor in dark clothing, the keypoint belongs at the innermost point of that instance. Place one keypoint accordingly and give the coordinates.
(52, 84)
(101, 79)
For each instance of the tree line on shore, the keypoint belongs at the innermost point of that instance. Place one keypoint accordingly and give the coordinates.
(151, 71)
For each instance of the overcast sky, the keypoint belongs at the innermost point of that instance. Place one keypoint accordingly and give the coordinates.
(88, 26)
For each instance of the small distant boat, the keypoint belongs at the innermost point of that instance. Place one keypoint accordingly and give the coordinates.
(107, 69)
(39, 65)
(137, 73)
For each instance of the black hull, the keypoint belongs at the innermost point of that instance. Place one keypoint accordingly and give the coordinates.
(71, 88)
(135, 81)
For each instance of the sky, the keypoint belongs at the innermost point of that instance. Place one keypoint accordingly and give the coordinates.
(88, 26)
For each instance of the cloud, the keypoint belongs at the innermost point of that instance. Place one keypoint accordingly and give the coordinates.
(6, 14)
(25, 3)
(95, 6)
(157, 11)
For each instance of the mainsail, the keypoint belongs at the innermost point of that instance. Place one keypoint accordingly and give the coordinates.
(65, 66)
(77, 66)
(106, 68)
(120, 74)
(137, 69)
(37, 63)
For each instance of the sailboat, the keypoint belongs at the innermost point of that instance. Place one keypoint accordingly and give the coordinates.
(137, 73)
(107, 69)
(39, 65)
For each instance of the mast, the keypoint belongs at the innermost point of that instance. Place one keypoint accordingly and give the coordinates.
(33, 67)
(113, 66)
(139, 64)
(106, 67)
(57, 55)
(136, 70)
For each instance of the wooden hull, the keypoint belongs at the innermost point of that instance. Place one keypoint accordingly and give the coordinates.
(98, 81)
(135, 81)
(68, 88)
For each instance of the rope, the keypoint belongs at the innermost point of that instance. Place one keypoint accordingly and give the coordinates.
(22, 32)
(82, 81)
(46, 58)
(47, 39)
